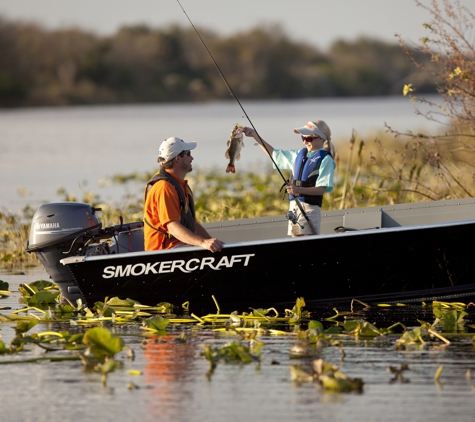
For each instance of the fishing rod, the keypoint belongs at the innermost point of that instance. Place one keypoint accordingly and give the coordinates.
(290, 215)
(230, 89)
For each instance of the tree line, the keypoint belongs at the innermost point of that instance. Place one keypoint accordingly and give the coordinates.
(143, 64)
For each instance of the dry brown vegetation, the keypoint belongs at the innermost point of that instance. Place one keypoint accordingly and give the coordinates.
(440, 165)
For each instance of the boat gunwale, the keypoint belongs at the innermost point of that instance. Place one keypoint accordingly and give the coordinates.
(388, 209)
(283, 240)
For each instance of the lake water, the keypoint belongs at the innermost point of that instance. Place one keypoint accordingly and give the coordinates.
(174, 385)
(77, 148)
(47, 148)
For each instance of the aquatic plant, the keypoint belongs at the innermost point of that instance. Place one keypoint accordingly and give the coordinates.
(328, 375)
(98, 347)
(155, 324)
(361, 328)
(102, 343)
(232, 352)
(40, 292)
(450, 316)
(418, 337)
(102, 347)
(317, 335)
(49, 340)
(4, 289)
(16, 344)
(297, 312)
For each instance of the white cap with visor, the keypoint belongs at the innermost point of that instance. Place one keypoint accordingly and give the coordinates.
(311, 128)
(173, 146)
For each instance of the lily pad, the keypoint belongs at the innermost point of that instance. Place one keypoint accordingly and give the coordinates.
(156, 323)
(24, 326)
(3, 348)
(102, 343)
(42, 285)
(104, 310)
(361, 328)
(115, 301)
(316, 325)
(42, 298)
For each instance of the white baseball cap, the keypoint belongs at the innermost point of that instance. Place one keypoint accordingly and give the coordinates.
(171, 147)
(311, 128)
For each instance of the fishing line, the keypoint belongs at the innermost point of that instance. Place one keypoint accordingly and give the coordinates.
(286, 182)
(231, 91)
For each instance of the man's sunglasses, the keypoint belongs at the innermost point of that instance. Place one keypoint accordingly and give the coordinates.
(183, 153)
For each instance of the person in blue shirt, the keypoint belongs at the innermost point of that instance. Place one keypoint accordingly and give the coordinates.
(312, 173)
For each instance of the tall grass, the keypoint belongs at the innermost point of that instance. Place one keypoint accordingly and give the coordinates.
(14, 233)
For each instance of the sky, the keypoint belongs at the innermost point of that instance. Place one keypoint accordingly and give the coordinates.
(318, 22)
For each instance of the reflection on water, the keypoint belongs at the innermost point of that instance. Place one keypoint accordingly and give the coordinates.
(169, 371)
(385, 316)
(174, 385)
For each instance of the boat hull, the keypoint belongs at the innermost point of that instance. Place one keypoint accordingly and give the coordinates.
(404, 264)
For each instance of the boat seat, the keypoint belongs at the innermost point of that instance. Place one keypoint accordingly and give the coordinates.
(360, 221)
(128, 241)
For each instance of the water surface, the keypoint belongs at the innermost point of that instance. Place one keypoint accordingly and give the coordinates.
(174, 385)
(78, 148)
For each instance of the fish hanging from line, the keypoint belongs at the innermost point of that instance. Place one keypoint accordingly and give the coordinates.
(235, 145)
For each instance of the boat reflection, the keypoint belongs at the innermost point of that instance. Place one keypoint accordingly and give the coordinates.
(169, 371)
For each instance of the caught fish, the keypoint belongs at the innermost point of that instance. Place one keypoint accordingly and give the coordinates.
(235, 145)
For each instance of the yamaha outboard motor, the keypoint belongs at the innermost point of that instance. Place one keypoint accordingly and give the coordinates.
(59, 230)
(63, 229)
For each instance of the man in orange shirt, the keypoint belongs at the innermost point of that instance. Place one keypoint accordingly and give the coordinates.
(169, 212)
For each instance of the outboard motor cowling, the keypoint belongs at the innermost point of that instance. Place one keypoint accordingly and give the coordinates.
(59, 230)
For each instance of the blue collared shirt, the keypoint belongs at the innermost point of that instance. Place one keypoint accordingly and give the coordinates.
(285, 158)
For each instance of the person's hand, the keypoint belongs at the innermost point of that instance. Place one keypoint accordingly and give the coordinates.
(249, 131)
(292, 190)
(213, 244)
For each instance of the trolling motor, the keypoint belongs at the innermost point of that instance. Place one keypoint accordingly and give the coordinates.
(63, 229)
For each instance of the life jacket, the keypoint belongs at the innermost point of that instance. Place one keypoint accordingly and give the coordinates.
(187, 207)
(305, 173)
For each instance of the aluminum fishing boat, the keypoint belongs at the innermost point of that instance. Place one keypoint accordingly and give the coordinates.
(404, 253)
